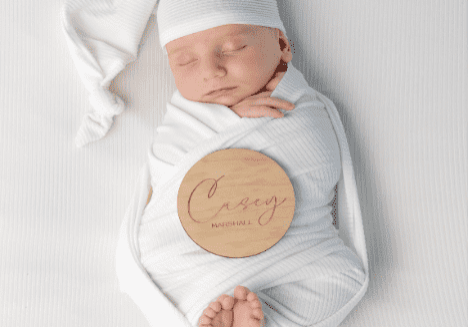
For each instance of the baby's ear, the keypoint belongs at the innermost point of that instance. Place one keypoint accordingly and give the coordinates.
(285, 48)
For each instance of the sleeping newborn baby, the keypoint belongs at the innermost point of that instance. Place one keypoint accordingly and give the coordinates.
(240, 66)
(226, 75)
(237, 66)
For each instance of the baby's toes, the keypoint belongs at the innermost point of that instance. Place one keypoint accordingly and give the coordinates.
(253, 300)
(257, 313)
(204, 321)
(241, 292)
(209, 313)
(215, 306)
(226, 301)
(256, 305)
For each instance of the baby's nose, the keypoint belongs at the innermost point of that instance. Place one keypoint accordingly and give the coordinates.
(212, 68)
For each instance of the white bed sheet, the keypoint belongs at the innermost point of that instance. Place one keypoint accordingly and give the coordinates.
(398, 73)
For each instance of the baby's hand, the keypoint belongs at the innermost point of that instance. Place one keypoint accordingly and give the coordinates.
(261, 105)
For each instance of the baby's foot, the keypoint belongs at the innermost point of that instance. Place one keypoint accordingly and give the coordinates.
(219, 313)
(247, 309)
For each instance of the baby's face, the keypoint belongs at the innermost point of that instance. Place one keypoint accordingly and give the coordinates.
(242, 57)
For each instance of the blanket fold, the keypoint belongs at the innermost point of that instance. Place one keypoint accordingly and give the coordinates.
(172, 279)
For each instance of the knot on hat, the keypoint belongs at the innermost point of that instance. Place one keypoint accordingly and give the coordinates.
(106, 103)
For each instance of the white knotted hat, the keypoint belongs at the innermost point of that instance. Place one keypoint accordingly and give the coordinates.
(103, 37)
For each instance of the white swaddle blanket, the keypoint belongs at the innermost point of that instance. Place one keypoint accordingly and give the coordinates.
(171, 278)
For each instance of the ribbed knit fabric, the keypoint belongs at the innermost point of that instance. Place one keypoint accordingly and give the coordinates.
(180, 18)
(160, 266)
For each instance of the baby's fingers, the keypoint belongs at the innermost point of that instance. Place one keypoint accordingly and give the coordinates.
(275, 103)
(261, 111)
(264, 94)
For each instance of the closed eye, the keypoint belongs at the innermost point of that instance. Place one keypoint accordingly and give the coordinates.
(187, 63)
(237, 49)
(223, 52)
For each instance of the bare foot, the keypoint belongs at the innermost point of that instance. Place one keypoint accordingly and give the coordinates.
(242, 310)
(247, 309)
(219, 313)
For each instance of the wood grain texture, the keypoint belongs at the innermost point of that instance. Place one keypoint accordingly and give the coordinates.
(236, 203)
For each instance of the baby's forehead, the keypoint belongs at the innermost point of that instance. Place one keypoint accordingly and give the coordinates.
(222, 33)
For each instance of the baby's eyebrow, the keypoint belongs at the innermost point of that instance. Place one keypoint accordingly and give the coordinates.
(234, 33)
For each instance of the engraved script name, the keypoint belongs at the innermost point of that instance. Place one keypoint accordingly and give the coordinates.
(243, 202)
(230, 224)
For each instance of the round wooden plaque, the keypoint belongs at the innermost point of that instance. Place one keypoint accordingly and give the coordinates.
(236, 203)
